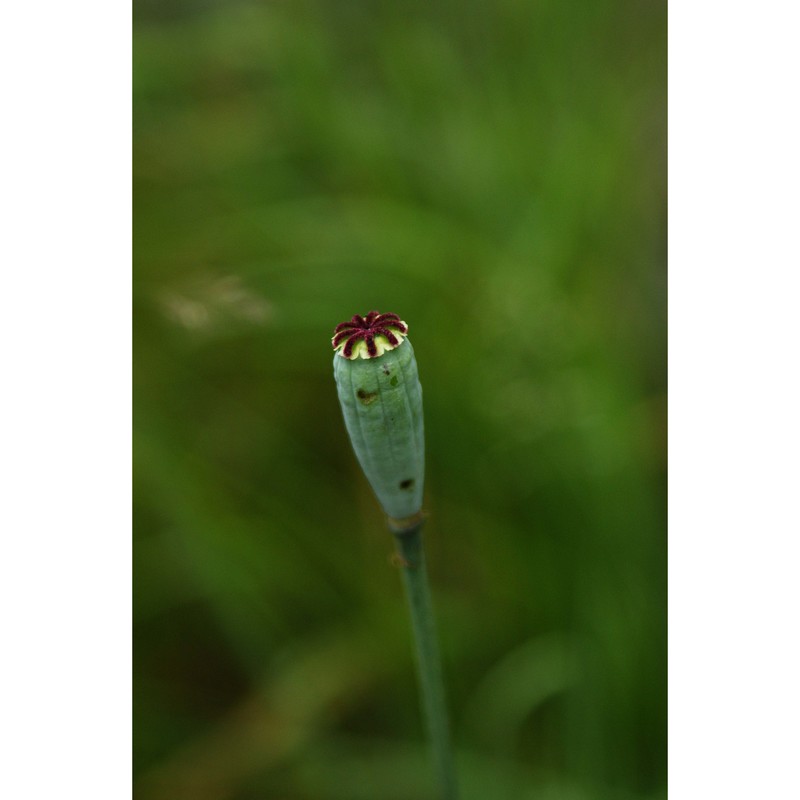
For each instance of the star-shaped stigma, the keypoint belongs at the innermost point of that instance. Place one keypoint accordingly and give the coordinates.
(369, 336)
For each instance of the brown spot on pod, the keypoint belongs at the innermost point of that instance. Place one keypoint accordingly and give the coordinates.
(366, 397)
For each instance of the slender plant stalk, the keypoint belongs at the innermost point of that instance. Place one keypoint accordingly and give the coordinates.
(429, 667)
(381, 399)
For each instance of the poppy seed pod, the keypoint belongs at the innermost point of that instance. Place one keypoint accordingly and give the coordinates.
(381, 398)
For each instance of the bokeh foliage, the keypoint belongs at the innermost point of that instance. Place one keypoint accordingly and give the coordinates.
(495, 173)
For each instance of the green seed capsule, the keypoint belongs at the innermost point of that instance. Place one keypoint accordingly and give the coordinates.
(381, 398)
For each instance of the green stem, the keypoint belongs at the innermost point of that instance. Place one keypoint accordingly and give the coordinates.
(429, 668)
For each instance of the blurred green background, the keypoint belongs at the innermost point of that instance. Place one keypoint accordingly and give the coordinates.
(494, 173)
